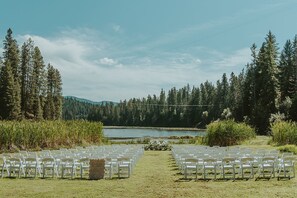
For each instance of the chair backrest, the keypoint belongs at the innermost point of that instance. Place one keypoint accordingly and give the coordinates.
(84, 161)
(268, 160)
(247, 160)
(48, 161)
(124, 160)
(289, 159)
(30, 160)
(67, 161)
(228, 160)
(191, 160)
(287, 154)
(14, 161)
(209, 161)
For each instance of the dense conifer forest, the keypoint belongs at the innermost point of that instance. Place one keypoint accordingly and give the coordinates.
(265, 90)
(28, 89)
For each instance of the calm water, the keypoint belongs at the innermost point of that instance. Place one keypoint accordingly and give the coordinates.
(139, 133)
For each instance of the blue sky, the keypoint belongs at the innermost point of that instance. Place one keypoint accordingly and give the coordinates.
(116, 50)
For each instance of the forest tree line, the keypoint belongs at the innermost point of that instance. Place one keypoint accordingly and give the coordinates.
(28, 89)
(266, 89)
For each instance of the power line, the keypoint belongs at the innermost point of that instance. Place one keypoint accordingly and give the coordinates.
(176, 105)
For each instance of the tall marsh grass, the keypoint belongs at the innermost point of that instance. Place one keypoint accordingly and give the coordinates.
(284, 132)
(48, 134)
(227, 133)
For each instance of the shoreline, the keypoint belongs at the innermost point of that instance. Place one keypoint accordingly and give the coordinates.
(155, 128)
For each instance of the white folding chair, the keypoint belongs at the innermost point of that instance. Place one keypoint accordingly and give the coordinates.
(124, 166)
(190, 167)
(228, 164)
(32, 165)
(67, 166)
(286, 167)
(83, 165)
(4, 166)
(15, 166)
(49, 165)
(246, 165)
(209, 167)
(267, 167)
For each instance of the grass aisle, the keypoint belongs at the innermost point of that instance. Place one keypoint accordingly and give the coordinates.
(154, 176)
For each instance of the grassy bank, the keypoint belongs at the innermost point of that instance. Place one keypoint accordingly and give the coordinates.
(155, 175)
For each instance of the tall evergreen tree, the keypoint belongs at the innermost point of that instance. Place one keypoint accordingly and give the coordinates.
(11, 59)
(286, 75)
(266, 84)
(9, 103)
(38, 85)
(27, 100)
(57, 95)
(11, 54)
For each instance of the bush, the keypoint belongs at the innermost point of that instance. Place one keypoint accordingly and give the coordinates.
(284, 132)
(288, 148)
(227, 133)
(158, 145)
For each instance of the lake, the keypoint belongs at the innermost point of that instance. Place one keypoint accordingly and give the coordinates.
(140, 133)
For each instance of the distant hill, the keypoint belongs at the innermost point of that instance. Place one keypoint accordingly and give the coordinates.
(80, 108)
(89, 101)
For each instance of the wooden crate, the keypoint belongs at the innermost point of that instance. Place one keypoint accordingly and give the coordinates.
(96, 169)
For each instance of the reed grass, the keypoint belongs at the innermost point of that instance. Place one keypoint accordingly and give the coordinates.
(33, 135)
(284, 132)
(228, 133)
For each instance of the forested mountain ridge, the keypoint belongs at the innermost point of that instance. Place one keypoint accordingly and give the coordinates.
(266, 89)
(88, 101)
(80, 108)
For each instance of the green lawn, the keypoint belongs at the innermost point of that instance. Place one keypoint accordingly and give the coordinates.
(155, 176)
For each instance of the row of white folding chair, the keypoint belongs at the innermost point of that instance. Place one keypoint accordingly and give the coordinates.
(33, 167)
(266, 166)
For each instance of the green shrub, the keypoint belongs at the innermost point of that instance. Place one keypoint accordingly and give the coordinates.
(48, 134)
(227, 133)
(284, 132)
(288, 148)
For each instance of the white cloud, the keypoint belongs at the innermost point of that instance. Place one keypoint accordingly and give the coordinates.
(107, 61)
(82, 58)
(239, 58)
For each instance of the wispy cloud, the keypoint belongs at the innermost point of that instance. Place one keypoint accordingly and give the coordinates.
(107, 61)
(116, 28)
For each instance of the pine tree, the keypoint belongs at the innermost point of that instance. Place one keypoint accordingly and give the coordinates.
(295, 63)
(49, 107)
(38, 84)
(266, 84)
(27, 100)
(11, 53)
(11, 59)
(249, 91)
(9, 101)
(286, 75)
(57, 95)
